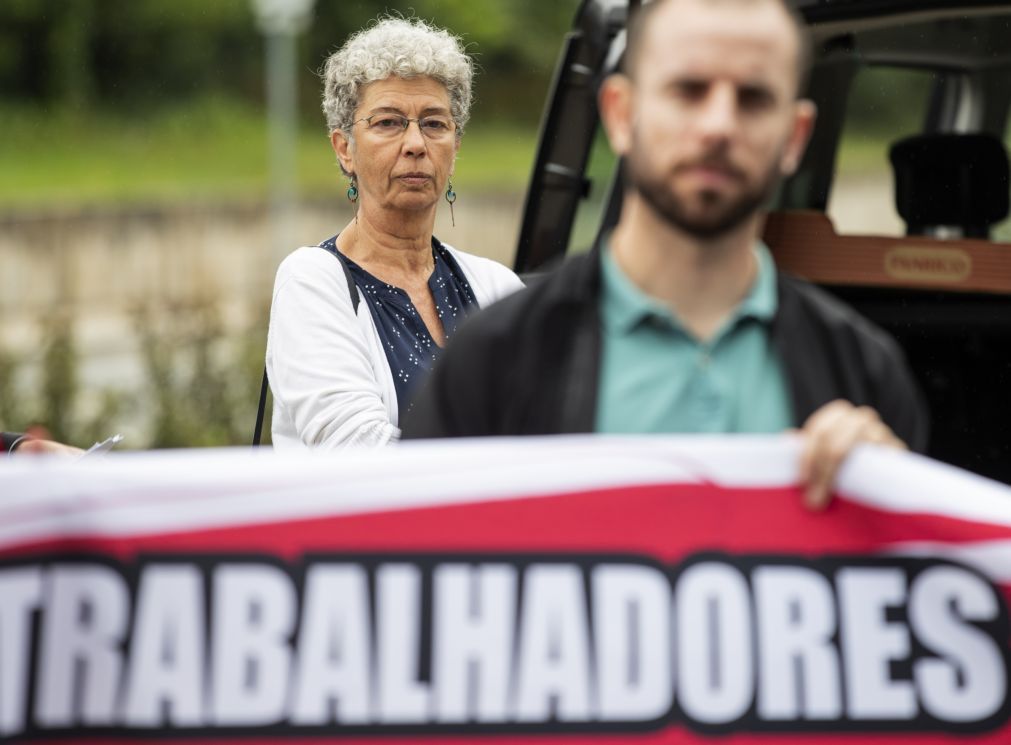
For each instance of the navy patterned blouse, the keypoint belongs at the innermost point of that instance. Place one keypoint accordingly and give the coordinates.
(410, 349)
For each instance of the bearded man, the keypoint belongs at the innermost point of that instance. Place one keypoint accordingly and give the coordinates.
(678, 321)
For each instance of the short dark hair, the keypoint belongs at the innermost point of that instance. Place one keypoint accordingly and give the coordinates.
(636, 30)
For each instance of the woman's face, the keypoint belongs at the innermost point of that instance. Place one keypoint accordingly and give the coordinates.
(400, 169)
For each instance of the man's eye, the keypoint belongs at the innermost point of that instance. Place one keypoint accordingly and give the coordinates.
(754, 98)
(692, 90)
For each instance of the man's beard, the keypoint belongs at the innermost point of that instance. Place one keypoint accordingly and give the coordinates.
(720, 218)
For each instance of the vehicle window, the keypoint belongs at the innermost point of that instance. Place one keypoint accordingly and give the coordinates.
(1001, 232)
(885, 105)
(600, 171)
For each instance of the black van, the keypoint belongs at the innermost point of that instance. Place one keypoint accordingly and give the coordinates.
(935, 270)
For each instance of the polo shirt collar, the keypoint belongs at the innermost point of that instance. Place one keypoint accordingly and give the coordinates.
(761, 301)
(625, 306)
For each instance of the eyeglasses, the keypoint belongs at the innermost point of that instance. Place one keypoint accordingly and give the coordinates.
(436, 127)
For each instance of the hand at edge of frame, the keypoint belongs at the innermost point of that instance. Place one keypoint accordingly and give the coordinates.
(30, 446)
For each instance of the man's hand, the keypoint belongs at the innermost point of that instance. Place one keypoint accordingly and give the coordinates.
(829, 435)
(44, 447)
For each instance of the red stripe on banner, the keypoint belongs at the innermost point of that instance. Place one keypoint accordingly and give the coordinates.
(665, 521)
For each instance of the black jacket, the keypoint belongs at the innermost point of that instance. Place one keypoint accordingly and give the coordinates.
(530, 364)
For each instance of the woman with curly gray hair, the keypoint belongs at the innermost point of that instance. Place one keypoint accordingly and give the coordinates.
(356, 322)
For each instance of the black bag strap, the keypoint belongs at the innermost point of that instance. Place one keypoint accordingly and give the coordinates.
(258, 428)
(330, 246)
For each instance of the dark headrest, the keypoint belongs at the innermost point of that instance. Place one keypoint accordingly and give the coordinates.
(951, 179)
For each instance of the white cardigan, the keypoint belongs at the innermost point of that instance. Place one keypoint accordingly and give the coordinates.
(328, 372)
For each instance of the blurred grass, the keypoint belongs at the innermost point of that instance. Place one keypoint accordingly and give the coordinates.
(217, 149)
(214, 149)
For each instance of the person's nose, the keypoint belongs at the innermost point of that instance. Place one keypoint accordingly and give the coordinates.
(718, 117)
(415, 143)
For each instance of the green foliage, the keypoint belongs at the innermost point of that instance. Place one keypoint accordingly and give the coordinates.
(71, 83)
(888, 101)
(138, 55)
(12, 404)
(148, 100)
(56, 405)
(59, 377)
(201, 386)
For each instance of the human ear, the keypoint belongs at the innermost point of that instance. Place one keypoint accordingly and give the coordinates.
(343, 149)
(615, 104)
(804, 115)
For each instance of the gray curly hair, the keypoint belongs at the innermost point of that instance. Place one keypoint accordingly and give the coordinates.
(405, 47)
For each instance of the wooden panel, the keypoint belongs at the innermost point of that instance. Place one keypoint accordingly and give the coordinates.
(805, 243)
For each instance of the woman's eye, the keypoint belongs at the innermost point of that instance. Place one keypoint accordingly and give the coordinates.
(389, 124)
(436, 125)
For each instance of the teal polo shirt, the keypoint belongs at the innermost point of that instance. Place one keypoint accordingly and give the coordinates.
(657, 377)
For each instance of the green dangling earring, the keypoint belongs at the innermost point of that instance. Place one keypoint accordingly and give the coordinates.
(353, 195)
(451, 197)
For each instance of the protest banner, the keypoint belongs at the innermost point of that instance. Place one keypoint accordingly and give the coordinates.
(551, 591)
